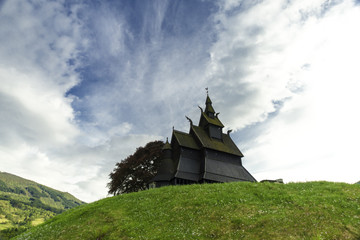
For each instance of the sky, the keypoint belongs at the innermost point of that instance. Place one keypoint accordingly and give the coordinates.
(84, 83)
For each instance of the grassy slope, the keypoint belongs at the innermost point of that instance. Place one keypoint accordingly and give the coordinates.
(24, 203)
(313, 210)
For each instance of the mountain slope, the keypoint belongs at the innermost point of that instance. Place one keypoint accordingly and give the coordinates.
(24, 203)
(242, 210)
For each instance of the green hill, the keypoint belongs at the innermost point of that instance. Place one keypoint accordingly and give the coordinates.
(24, 203)
(242, 210)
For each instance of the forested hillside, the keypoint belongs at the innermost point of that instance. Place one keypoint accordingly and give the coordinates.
(24, 203)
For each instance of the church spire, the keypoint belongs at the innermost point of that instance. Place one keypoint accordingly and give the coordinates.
(208, 116)
(209, 110)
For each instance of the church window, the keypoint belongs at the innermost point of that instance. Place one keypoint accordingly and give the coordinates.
(215, 132)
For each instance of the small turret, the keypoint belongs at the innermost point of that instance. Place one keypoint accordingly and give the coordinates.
(166, 170)
(166, 150)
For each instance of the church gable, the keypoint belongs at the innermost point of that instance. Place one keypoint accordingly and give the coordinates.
(206, 120)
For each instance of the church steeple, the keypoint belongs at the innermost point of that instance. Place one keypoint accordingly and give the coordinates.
(209, 121)
(209, 110)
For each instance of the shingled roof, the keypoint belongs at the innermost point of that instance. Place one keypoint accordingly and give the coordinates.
(220, 172)
(185, 140)
(215, 121)
(226, 145)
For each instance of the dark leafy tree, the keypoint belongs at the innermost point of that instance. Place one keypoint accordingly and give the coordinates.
(134, 173)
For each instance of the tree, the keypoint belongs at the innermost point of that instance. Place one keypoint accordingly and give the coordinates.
(134, 172)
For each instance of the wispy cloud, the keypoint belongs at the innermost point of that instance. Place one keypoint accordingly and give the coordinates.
(159, 61)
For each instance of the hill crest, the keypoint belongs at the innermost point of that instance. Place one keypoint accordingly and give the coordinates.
(240, 210)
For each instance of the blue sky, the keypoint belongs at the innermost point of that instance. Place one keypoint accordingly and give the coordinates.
(84, 83)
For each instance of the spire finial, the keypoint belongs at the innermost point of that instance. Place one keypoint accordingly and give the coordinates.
(207, 90)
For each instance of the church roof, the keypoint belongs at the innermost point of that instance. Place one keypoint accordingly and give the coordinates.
(199, 138)
(185, 140)
(226, 145)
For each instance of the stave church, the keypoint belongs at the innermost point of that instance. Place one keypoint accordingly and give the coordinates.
(203, 155)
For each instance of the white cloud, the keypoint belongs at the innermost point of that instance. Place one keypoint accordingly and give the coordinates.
(308, 56)
(36, 117)
(34, 72)
(261, 53)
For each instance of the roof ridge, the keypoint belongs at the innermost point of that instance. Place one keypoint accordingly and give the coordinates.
(180, 131)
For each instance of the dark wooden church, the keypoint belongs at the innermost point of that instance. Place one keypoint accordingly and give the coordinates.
(204, 155)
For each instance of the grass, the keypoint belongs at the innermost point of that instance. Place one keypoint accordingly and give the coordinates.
(242, 210)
